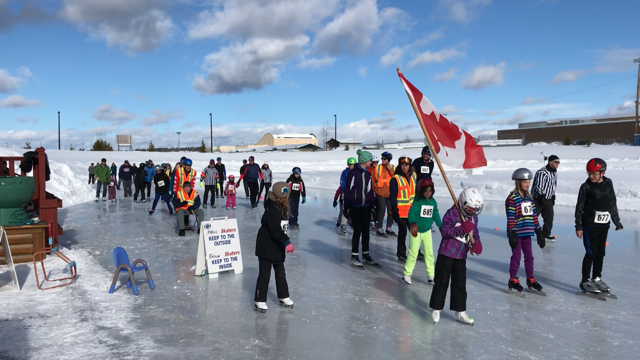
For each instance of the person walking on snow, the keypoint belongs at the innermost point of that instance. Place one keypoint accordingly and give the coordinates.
(92, 178)
(161, 180)
(544, 194)
(595, 210)
(423, 166)
(402, 188)
(381, 178)
(359, 198)
(230, 193)
(222, 176)
(251, 175)
(296, 186)
(209, 176)
(267, 177)
(102, 175)
(522, 224)
(342, 219)
(125, 174)
(245, 184)
(422, 214)
(186, 202)
(451, 263)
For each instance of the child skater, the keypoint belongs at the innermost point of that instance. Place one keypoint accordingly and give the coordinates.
(230, 192)
(271, 244)
(422, 214)
(296, 185)
(452, 255)
(112, 187)
(595, 208)
(522, 224)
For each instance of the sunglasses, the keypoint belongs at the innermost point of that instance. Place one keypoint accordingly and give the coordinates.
(556, 162)
(385, 159)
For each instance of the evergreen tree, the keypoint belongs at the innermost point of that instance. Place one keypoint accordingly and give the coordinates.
(101, 145)
(151, 146)
(27, 145)
(203, 147)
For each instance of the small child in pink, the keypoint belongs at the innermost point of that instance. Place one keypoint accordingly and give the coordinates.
(230, 192)
(112, 188)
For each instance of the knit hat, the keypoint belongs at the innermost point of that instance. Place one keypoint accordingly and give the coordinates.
(553, 158)
(280, 190)
(363, 156)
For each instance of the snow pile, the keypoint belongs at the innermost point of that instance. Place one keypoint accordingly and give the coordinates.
(322, 169)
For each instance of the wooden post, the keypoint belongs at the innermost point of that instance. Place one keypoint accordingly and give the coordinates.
(435, 156)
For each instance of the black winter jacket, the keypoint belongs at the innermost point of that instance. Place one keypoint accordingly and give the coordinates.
(271, 239)
(162, 183)
(594, 197)
(141, 173)
(292, 181)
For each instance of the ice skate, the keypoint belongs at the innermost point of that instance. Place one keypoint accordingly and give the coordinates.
(407, 279)
(550, 238)
(590, 289)
(369, 260)
(435, 315)
(234, 208)
(381, 233)
(170, 211)
(605, 290)
(97, 198)
(228, 208)
(204, 206)
(151, 212)
(104, 198)
(286, 302)
(534, 287)
(355, 262)
(430, 280)
(144, 200)
(261, 307)
(464, 318)
(343, 230)
(514, 284)
(390, 232)
(181, 233)
(402, 257)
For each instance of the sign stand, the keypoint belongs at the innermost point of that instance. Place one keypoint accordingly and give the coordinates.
(218, 247)
(14, 284)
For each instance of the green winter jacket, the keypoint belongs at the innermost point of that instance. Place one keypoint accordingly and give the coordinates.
(102, 173)
(424, 212)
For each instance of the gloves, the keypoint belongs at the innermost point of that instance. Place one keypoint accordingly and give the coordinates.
(414, 230)
(513, 238)
(238, 184)
(200, 183)
(541, 240)
(618, 227)
(289, 248)
(467, 226)
(304, 199)
(335, 202)
(183, 203)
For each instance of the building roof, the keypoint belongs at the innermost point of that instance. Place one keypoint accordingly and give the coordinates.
(293, 136)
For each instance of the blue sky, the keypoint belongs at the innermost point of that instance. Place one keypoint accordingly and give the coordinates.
(150, 68)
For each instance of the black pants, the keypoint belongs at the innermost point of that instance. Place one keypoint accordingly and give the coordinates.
(219, 190)
(294, 204)
(140, 189)
(456, 269)
(595, 243)
(245, 183)
(360, 217)
(403, 226)
(92, 178)
(264, 275)
(209, 189)
(384, 207)
(253, 190)
(147, 185)
(264, 186)
(545, 209)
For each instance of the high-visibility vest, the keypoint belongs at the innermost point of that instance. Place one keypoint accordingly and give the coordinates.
(183, 176)
(382, 175)
(183, 196)
(406, 193)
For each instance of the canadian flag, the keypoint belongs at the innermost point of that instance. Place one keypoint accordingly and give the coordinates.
(454, 146)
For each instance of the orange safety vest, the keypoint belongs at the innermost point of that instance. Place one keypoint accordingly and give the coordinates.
(382, 175)
(183, 196)
(406, 193)
(183, 176)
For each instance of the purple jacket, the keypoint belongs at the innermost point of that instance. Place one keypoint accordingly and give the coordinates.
(358, 188)
(451, 230)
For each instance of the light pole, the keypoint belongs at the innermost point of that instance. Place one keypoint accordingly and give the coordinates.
(637, 95)
(178, 132)
(211, 123)
(59, 129)
(335, 134)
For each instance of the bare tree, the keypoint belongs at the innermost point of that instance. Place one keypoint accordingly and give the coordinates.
(324, 133)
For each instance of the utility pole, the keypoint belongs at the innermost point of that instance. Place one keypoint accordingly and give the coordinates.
(59, 126)
(178, 132)
(335, 134)
(636, 136)
(211, 123)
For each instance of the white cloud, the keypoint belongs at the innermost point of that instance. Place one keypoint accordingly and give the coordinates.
(316, 63)
(116, 116)
(568, 76)
(362, 71)
(617, 60)
(392, 56)
(9, 83)
(627, 108)
(436, 57)
(253, 64)
(463, 11)
(136, 26)
(156, 117)
(24, 120)
(17, 101)
(530, 100)
(492, 112)
(517, 118)
(485, 75)
(449, 109)
(445, 76)
(388, 118)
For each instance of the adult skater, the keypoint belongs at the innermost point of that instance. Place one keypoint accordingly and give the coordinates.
(222, 176)
(183, 174)
(297, 189)
(162, 182)
(245, 184)
(522, 224)
(92, 177)
(267, 178)
(101, 173)
(381, 178)
(272, 243)
(423, 166)
(141, 174)
(251, 175)
(125, 174)
(148, 179)
(452, 255)
(359, 198)
(595, 209)
(342, 219)
(422, 214)
(544, 194)
(402, 188)
(187, 202)
(209, 176)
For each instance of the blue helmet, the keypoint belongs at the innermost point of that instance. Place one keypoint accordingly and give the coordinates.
(187, 162)
(387, 155)
(219, 158)
(296, 170)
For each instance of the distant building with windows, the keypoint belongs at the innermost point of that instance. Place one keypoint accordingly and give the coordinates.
(279, 142)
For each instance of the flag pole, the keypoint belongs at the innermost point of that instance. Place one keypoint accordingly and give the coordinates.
(435, 155)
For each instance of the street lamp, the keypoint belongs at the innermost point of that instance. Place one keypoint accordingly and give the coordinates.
(211, 123)
(637, 95)
(335, 134)
(178, 132)
(59, 130)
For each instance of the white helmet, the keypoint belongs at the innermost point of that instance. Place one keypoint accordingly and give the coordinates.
(375, 158)
(472, 198)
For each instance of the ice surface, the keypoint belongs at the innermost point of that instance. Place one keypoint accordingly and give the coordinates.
(340, 312)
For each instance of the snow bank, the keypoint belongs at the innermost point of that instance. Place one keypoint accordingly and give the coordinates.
(322, 169)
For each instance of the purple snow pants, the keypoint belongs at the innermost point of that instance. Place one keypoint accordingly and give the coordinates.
(524, 246)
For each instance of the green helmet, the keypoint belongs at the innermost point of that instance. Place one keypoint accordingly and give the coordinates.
(351, 161)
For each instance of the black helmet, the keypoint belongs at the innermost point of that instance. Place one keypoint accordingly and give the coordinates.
(426, 150)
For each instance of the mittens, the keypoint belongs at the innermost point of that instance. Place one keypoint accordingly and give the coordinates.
(513, 238)
(468, 226)
(289, 248)
(414, 230)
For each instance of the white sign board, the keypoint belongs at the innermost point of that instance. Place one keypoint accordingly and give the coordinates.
(14, 284)
(219, 247)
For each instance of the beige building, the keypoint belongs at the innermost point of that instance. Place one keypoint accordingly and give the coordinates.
(287, 139)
